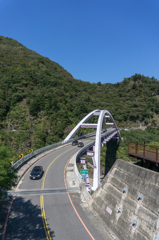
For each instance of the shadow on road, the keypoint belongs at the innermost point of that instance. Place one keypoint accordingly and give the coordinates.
(4, 206)
(25, 221)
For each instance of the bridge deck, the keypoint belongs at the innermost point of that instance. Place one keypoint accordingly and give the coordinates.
(146, 153)
(149, 156)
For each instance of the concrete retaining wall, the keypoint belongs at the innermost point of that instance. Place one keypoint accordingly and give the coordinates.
(127, 201)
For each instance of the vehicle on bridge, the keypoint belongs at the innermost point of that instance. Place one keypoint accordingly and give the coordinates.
(36, 172)
(75, 142)
(80, 144)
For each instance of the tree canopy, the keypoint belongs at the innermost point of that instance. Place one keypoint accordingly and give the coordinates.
(8, 176)
(39, 98)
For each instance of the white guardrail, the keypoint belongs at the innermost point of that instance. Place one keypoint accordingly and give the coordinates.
(35, 153)
(82, 151)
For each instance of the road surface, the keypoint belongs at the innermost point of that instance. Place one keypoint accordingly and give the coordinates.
(45, 209)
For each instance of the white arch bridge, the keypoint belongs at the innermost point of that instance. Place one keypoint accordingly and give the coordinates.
(94, 149)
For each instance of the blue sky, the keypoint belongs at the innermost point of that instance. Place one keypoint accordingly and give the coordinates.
(95, 40)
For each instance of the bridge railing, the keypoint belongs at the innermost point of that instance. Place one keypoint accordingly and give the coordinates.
(35, 153)
(144, 152)
(79, 154)
(83, 150)
(41, 150)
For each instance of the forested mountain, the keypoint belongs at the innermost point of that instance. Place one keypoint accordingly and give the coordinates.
(40, 102)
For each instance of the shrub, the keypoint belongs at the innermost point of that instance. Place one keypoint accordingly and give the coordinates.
(16, 97)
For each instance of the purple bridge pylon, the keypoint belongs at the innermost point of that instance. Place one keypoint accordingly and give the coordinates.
(94, 151)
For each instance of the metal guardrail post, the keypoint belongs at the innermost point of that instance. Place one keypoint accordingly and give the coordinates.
(144, 153)
(157, 157)
(136, 146)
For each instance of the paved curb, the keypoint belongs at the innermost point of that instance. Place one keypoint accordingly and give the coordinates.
(73, 181)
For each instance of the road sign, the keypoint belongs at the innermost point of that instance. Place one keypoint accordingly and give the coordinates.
(83, 161)
(20, 155)
(11, 164)
(84, 171)
(84, 175)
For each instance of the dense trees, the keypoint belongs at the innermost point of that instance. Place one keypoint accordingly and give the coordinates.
(40, 97)
(7, 176)
(40, 103)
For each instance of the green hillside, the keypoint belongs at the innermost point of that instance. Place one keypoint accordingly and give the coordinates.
(40, 102)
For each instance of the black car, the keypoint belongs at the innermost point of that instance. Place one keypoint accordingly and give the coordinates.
(80, 144)
(36, 172)
(75, 142)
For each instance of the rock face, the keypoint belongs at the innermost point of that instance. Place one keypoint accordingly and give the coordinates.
(127, 201)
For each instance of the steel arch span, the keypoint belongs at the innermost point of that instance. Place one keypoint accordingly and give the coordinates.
(103, 115)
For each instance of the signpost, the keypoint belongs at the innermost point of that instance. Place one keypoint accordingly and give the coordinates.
(84, 172)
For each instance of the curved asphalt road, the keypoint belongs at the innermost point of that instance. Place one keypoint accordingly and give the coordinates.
(58, 219)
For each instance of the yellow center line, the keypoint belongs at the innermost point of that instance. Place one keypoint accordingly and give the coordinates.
(42, 198)
(44, 218)
(42, 185)
(43, 181)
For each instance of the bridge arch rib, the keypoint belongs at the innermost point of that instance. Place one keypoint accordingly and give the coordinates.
(103, 114)
(78, 126)
(96, 175)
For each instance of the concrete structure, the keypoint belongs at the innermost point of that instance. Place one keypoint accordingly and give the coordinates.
(127, 202)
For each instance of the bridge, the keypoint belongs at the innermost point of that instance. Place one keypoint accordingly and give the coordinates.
(51, 208)
(94, 150)
(147, 153)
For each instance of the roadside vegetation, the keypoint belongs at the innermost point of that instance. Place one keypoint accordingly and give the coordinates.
(116, 149)
(40, 102)
(8, 177)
